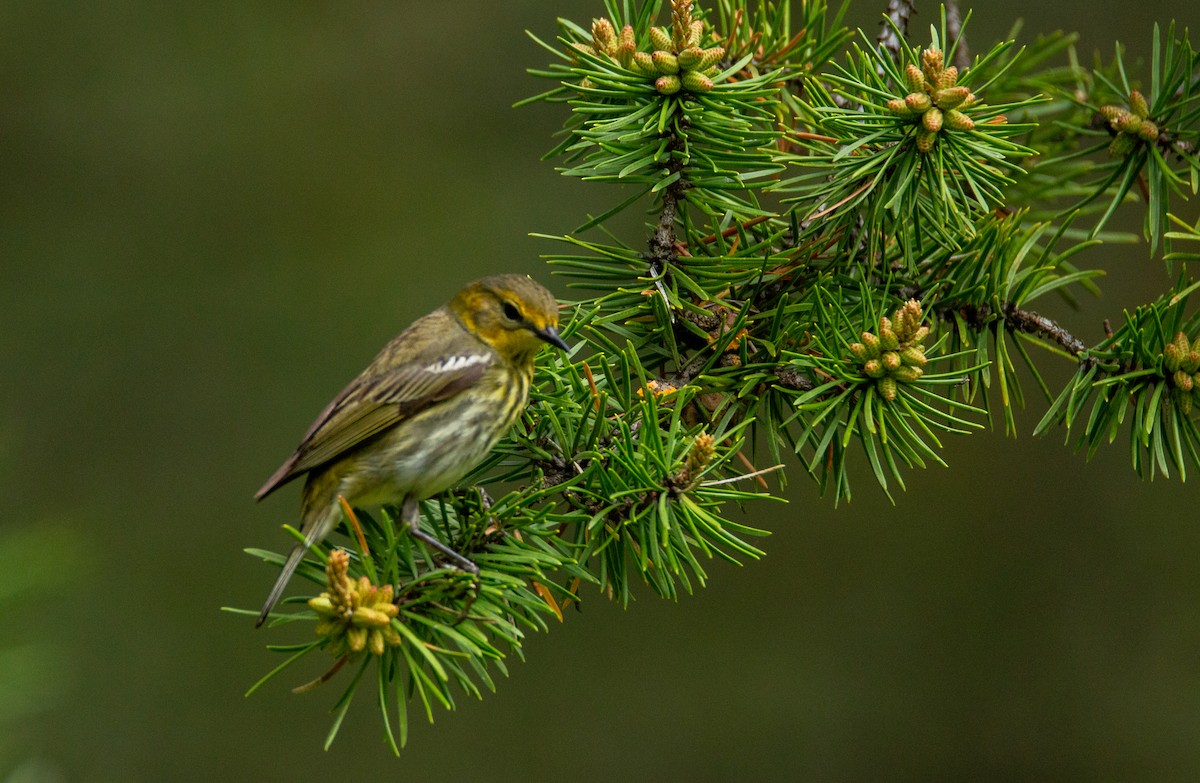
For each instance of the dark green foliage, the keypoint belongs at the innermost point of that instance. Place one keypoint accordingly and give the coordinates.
(1111, 167)
(870, 182)
(839, 265)
(1127, 382)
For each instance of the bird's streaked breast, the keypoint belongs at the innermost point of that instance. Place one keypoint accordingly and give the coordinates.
(440, 445)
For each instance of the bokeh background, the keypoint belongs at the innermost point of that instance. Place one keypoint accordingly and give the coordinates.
(211, 217)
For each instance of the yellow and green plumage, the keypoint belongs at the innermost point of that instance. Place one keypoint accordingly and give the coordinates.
(422, 414)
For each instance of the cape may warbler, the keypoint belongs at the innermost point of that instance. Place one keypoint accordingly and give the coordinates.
(424, 412)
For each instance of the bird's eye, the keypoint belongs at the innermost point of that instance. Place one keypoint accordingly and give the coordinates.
(511, 312)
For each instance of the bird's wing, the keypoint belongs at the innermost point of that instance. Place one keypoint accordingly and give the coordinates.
(376, 401)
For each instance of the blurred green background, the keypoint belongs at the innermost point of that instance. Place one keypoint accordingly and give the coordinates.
(214, 214)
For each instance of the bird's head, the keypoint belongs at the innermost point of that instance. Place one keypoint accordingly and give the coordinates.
(511, 313)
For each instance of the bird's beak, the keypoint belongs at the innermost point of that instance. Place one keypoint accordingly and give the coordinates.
(550, 335)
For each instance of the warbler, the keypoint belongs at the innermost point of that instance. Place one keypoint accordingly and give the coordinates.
(427, 409)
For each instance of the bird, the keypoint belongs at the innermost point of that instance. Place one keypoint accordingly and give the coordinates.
(422, 414)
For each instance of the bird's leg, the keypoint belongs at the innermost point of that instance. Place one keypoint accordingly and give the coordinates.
(485, 505)
(410, 512)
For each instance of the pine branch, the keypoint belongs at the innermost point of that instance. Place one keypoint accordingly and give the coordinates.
(1030, 322)
(662, 250)
(842, 254)
(789, 378)
(1019, 320)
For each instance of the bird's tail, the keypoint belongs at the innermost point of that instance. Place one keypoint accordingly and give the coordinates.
(320, 517)
(289, 568)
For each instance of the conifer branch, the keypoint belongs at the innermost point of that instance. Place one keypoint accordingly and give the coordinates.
(662, 246)
(835, 244)
(1030, 322)
(1019, 320)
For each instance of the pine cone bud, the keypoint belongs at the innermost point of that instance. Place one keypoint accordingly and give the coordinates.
(1190, 361)
(690, 58)
(1171, 357)
(1110, 112)
(899, 107)
(368, 617)
(888, 340)
(660, 38)
(1121, 145)
(907, 374)
(1148, 131)
(871, 342)
(700, 454)
(1184, 401)
(951, 97)
(667, 85)
(336, 579)
(932, 119)
(356, 638)
(887, 388)
(918, 102)
(375, 642)
(1137, 104)
(873, 368)
(694, 81)
(643, 63)
(1183, 381)
(712, 56)
(627, 46)
(603, 36)
(695, 32)
(665, 62)
(1128, 122)
(913, 357)
(909, 319)
(949, 78)
(890, 360)
(913, 78)
(925, 139)
(919, 337)
(859, 351)
(931, 65)
(1182, 345)
(956, 120)
(321, 604)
